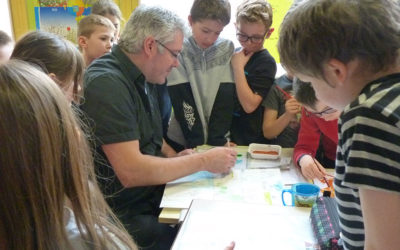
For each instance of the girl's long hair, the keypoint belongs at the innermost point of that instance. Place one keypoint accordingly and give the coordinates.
(52, 54)
(45, 163)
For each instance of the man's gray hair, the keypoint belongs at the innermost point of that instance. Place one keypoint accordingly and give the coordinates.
(145, 21)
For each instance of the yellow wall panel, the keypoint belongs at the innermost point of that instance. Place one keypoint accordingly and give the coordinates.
(127, 6)
(279, 9)
(19, 15)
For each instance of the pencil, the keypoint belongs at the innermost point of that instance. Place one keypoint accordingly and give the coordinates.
(287, 95)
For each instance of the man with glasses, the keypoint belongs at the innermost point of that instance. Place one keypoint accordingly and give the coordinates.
(317, 140)
(254, 71)
(164, 101)
(133, 162)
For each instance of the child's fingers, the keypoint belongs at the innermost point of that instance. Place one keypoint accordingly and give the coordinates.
(318, 170)
(317, 174)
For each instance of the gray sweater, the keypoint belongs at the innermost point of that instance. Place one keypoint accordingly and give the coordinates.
(201, 90)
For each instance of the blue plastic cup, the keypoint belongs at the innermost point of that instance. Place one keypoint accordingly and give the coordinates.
(303, 194)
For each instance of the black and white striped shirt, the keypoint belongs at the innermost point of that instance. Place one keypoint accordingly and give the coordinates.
(368, 152)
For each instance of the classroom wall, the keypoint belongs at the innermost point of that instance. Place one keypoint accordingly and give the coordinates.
(25, 19)
(279, 8)
(19, 17)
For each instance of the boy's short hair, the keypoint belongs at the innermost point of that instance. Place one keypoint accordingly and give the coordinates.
(304, 93)
(319, 30)
(219, 10)
(4, 38)
(106, 7)
(89, 23)
(252, 11)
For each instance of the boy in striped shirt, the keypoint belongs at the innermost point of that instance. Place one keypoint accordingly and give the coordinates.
(349, 51)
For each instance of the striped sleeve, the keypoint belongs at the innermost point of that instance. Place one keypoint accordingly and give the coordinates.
(372, 150)
(368, 155)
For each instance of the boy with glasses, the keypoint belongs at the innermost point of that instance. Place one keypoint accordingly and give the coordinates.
(316, 145)
(254, 71)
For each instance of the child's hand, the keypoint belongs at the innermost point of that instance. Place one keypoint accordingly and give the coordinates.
(311, 168)
(240, 59)
(292, 106)
(231, 246)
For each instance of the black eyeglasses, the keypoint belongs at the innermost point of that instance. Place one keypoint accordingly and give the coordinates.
(326, 111)
(254, 39)
(169, 50)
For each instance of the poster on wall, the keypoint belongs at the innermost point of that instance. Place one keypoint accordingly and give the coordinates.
(61, 16)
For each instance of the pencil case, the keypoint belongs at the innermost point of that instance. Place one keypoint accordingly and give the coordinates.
(325, 223)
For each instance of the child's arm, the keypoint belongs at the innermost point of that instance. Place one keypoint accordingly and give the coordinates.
(247, 98)
(380, 210)
(306, 147)
(308, 137)
(274, 125)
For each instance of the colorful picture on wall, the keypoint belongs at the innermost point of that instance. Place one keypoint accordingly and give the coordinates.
(61, 16)
(53, 3)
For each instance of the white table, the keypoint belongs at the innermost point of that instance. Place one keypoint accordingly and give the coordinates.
(172, 213)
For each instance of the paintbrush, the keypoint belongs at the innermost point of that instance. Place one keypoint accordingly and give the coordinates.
(287, 95)
(327, 183)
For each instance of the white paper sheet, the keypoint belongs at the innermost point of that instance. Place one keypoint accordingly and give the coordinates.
(214, 224)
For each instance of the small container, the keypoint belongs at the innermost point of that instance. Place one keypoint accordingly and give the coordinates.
(303, 194)
(264, 151)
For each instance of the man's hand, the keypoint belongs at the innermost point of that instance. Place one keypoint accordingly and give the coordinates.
(220, 159)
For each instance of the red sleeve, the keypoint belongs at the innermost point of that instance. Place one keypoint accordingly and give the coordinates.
(308, 138)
